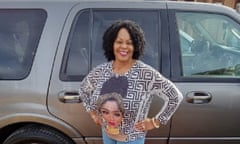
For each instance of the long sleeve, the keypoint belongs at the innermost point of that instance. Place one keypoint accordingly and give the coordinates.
(85, 92)
(91, 85)
(86, 89)
(172, 97)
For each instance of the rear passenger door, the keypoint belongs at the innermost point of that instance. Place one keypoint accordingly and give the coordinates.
(206, 67)
(81, 50)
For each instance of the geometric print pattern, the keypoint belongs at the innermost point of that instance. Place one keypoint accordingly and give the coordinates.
(144, 82)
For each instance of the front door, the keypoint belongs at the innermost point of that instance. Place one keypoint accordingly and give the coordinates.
(207, 70)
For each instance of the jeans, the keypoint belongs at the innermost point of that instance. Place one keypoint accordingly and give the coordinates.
(108, 140)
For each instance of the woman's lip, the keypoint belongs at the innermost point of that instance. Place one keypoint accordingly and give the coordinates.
(111, 123)
(123, 53)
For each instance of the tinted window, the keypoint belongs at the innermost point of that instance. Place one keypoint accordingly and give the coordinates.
(84, 46)
(210, 45)
(20, 32)
(76, 63)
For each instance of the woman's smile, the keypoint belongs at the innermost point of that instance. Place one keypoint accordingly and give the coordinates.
(123, 53)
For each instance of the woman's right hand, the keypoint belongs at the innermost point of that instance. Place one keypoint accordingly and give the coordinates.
(97, 120)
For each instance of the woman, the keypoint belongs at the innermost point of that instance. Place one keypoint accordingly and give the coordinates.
(135, 81)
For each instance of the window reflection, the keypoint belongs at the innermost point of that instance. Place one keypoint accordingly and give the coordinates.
(209, 45)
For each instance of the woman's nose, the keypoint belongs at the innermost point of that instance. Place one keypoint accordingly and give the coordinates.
(124, 45)
(111, 117)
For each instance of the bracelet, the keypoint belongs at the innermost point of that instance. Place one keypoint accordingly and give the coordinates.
(154, 123)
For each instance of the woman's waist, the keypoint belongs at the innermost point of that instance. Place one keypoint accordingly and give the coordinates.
(123, 136)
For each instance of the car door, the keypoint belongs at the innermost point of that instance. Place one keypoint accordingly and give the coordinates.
(205, 66)
(80, 50)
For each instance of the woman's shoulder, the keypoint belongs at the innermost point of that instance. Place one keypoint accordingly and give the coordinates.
(150, 71)
(97, 71)
(101, 67)
(142, 65)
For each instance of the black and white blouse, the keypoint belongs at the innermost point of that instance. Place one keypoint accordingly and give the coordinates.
(138, 87)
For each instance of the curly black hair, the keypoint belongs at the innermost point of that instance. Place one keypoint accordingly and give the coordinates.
(136, 34)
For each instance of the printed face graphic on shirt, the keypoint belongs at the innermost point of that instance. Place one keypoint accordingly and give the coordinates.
(111, 109)
(110, 103)
(111, 113)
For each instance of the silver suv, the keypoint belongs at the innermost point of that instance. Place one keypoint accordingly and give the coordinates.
(48, 46)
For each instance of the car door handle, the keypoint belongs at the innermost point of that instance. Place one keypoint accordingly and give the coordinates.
(69, 97)
(197, 97)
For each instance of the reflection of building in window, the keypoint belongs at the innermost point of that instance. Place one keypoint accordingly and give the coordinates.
(233, 39)
(21, 37)
(7, 51)
(8, 56)
(238, 7)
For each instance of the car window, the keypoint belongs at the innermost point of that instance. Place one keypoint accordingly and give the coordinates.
(76, 58)
(20, 32)
(209, 45)
(84, 47)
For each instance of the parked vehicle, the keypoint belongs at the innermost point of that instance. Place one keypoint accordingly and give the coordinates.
(48, 46)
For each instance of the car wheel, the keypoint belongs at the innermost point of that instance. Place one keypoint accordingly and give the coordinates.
(35, 134)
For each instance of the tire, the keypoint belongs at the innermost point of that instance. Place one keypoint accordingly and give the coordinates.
(37, 134)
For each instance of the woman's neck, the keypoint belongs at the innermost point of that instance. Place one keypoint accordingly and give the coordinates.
(122, 67)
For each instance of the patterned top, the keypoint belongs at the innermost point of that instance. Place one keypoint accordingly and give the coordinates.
(143, 82)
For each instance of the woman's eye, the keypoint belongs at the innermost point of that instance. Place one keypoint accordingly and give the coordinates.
(117, 114)
(104, 112)
(118, 42)
(129, 43)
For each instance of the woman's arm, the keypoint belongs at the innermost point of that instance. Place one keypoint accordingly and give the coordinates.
(87, 87)
(171, 95)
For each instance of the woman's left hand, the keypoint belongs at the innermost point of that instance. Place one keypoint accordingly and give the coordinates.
(144, 125)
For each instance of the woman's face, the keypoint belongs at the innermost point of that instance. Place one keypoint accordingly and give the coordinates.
(111, 113)
(123, 46)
